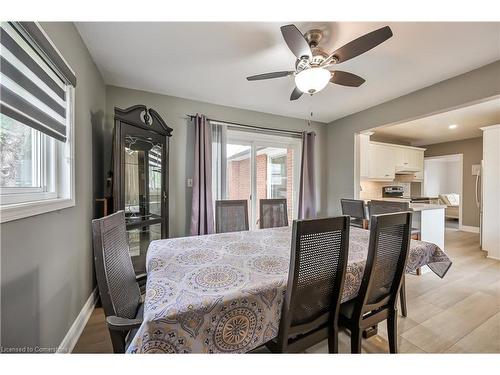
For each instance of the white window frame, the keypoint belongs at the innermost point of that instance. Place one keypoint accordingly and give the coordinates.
(59, 190)
(270, 172)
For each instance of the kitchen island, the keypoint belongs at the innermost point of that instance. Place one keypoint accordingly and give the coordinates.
(428, 218)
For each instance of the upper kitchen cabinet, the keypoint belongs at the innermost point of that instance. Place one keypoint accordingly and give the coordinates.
(381, 162)
(385, 161)
(410, 162)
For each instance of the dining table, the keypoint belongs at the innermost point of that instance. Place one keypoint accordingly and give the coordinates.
(223, 293)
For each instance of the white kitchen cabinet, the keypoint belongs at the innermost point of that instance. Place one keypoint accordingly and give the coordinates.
(364, 155)
(413, 158)
(381, 162)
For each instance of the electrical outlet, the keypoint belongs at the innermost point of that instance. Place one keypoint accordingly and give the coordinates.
(189, 182)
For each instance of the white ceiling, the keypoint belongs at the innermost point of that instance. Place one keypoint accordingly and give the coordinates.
(209, 61)
(434, 129)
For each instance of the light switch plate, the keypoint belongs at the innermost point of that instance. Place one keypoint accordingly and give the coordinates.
(476, 169)
(189, 182)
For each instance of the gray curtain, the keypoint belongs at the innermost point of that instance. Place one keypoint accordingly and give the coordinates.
(307, 187)
(202, 208)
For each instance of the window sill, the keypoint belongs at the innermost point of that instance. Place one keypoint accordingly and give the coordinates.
(22, 210)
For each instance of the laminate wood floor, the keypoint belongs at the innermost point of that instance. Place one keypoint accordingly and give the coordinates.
(457, 314)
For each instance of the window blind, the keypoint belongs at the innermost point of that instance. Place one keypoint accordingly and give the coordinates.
(34, 79)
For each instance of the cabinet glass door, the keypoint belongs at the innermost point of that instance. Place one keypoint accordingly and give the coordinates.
(144, 192)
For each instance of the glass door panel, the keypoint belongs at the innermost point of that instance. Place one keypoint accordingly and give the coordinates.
(260, 167)
(143, 193)
(155, 157)
(275, 176)
(238, 172)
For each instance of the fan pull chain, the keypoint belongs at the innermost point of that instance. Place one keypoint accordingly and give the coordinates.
(310, 112)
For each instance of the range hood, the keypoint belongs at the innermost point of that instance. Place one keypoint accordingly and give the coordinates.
(406, 170)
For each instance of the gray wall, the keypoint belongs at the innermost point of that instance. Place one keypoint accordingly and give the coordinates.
(472, 150)
(454, 92)
(174, 110)
(46, 260)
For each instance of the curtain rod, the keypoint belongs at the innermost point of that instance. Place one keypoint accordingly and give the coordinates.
(253, 126)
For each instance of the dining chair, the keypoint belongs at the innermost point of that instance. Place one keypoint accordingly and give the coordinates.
(385, 265)
(376, 207)
(355, 208)
(273, 213)
(386, 207)
(117, 282)
(315, 283)
(231, 216)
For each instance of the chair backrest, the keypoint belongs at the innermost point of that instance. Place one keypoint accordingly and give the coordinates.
(120, 294)
(387, 253)
(355, 208)
(273, 213)
(386, 207)
(231, 215)
(316, 276)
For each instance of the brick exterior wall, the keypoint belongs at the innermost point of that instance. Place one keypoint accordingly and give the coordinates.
(239, 179)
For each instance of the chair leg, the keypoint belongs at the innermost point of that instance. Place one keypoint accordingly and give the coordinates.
(392, 331)
(419, 271)
(356, 340)
(333, 341)
(370, 331)
(402, 298)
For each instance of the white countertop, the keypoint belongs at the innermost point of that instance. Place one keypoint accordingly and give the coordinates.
(426, 206)
(414, 206)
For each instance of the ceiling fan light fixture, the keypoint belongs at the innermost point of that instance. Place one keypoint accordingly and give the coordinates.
(312, 80)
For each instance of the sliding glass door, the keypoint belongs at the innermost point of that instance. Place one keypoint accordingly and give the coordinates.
(254, 166)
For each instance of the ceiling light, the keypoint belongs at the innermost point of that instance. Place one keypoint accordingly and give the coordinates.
(452, 126)
(312, 80)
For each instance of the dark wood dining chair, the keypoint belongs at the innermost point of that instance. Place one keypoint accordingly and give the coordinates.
(231, 216)
(117, 282)
(315, 283)
(387, 207)
(355, 208)
(376, 207)
(273, 213)
(377, 297)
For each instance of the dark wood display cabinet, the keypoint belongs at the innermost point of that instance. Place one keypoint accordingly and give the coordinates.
(140, 177)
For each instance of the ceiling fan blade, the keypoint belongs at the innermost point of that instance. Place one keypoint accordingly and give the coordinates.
(296, 93)
(346, 79)
(269, 75)
(361, 45)
(296, 41)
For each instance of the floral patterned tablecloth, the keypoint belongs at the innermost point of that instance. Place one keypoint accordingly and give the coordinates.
(222, 293)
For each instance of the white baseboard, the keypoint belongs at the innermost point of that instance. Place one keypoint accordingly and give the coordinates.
(495, 258)
(467, 228)
(69, 341)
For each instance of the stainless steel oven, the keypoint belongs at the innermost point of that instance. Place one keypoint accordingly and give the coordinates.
(392, 191)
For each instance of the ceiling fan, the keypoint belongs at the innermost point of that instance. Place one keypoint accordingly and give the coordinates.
(312, 67)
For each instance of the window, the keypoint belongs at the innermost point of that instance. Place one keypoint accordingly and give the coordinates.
(36, 123)
(27, 157)
(247, 164)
